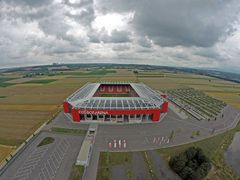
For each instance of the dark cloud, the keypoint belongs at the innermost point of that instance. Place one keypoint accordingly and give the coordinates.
(210, 53)
(85, 17)
(144, 50)
(85, 11)
(121, 47)
(79, 3)
(173, 22)
(54, 25)
(33, 3)
(145, 42)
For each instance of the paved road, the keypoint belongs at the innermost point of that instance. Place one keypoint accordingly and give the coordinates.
(91, 170)
(160, 167)
(139, 168)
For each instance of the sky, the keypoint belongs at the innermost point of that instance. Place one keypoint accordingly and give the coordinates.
(186, 33)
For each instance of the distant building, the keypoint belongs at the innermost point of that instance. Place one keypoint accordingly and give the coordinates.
(58, 68)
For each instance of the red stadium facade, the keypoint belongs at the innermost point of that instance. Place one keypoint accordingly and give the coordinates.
(116, 102)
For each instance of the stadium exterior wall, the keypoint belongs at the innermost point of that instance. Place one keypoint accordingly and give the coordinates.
(77, 112)
(164, 108)
(66, 107)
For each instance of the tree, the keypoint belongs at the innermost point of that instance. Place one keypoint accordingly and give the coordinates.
(201, 157)
(178, 162)
(206, 166)
(191, 165)
(186, 172)
(191, 153)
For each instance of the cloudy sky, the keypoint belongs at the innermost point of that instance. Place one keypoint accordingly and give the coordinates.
(186, 33)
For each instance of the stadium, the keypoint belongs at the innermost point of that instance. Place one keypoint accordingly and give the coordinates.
(116, 102)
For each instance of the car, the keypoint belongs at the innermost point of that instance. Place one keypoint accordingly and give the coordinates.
(124, 144)
(120, 143)
(110, 145)
(114, 143)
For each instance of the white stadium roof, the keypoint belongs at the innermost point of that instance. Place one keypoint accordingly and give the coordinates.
(83, 98)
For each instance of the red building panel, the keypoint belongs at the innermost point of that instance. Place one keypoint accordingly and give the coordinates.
(66, 107)
(164, 96)
(164, 107)
(76, 115)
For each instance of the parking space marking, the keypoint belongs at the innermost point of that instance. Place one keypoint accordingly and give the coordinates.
(50, 167)
(29, 164)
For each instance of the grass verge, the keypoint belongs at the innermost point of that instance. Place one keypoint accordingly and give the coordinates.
(40, 81)
(76, 172)
(11, 142)
(107, 160)
(46, 141)
(149, 165)
(80, 132)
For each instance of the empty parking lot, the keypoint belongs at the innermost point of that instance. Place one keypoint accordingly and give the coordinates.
(48, 162)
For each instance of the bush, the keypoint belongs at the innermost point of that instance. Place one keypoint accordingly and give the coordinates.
(178, 162)
(186, 172)
(191, 165)
(191, 153)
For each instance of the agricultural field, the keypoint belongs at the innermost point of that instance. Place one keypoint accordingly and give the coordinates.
(40, 81)
(226, 91)
(4, 152)
(121, 75)
(4, 81)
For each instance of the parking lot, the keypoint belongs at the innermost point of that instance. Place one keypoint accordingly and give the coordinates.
(48, 162)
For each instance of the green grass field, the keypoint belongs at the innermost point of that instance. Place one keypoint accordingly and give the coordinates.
(46, 141)
(40, 81)
(100, 72)
(4, 81)
(107, 160)
(76, 172)
(115, 95)
(69, 131)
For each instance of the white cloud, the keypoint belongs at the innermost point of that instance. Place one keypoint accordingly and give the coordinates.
(112, 21)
